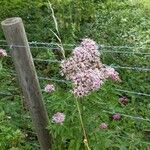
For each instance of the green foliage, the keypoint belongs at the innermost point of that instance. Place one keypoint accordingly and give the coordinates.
(109, 22)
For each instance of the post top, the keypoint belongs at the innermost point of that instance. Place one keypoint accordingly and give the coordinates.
(11, 21)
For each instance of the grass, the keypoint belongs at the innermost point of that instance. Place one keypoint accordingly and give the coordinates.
(116, 23)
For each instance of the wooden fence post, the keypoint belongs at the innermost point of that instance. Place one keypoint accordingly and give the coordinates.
(16, 38)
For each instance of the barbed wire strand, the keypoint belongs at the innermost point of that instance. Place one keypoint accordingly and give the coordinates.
(65, 81)
(132, 92)
(117, 67)
(47, 60)
(122, 52)
(144, 142)
(51, 79)
(131, 68)
(100, 45)
(105, 111)
(56, 46)
(128, 116)
(33, 47)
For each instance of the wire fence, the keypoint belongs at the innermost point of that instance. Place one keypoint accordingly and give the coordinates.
(55, 46)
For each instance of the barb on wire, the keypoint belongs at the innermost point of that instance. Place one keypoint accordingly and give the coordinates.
(128, 116)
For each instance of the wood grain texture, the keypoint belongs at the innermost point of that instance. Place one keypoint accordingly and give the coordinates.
(15, 35)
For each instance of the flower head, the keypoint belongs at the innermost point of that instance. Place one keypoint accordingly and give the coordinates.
(116, 116)
(85, 82)
(89, 44)
(123, 100)
(85, 69)
(103, 126)
(3, 53)
(58, 118)
(110, 72)
(49, 88)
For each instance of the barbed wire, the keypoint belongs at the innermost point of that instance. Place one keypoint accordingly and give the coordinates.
(122, 52)
(66, 81)
(52, 79)
(105, 111)
(131, 68)
(128, 116)
(47, 60)
(132, 92)
(33, 47)
(69, 82)
(56, 46)
(100, 45)
(117, 67)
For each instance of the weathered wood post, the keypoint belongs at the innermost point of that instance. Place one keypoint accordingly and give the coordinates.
(16, 38)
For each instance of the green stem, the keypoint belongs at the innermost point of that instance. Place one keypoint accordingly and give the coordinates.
(1, 66)
(82, 124)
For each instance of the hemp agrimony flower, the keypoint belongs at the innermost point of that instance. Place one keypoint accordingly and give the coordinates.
(85, 69)
(58, 118)
(49, 88)
(103, 126)
(123, 100)
(116, 116)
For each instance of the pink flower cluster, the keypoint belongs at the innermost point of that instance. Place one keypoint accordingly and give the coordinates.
(116, 116)
(85, 69)
(86, 81)
(49, 88)
(110, 73)
(103, 126)
(123, 100)
(58, 118)
(3, 53)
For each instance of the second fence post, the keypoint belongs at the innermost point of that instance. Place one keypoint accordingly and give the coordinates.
(16, 38)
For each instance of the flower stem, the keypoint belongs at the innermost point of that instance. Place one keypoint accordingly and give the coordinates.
(83, 128)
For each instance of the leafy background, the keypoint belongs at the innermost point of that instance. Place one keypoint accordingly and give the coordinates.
(108, 22)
